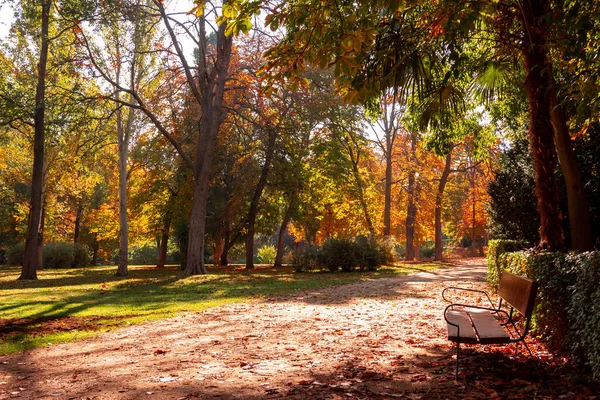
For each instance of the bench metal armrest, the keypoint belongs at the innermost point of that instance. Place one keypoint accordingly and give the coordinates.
(466, 290)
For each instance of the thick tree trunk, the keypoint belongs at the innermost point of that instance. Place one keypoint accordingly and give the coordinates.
(387, 209)
(260, 186)
(578, 206)
(541, 134)
(30, 259)
(164, 242)
(283, 229)
(212, 85)
(439, 244)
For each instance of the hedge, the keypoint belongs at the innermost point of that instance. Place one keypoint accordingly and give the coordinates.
(496, 248)
(54, 255)
(567, 316)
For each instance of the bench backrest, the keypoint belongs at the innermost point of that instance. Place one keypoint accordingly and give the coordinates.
(519, 292)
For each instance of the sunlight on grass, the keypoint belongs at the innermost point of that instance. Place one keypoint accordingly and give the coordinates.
(146, 294)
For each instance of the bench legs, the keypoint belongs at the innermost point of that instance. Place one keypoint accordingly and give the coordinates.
(457, 353)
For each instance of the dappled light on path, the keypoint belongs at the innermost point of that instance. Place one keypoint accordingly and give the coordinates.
(380, 338)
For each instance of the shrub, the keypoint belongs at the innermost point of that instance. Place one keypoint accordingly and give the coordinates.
(144, 255)
(345, 254)
(495, 249)
(307, 259)
(57, 255)
(427, 250)
(266, 254)
(14, 255)
(568, 312)
(388, 246)
(81, 256)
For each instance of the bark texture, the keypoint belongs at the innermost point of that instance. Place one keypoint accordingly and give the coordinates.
(541, 134)
(254, 203)
(31, 262)
(439, 198)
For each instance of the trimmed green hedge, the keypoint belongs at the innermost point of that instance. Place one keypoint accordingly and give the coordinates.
(496, 248)
(567, 316)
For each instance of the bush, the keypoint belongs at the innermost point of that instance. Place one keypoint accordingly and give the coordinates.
(81, 256)
(345, 254)
(54, 255)
(388, 246)
(57, 255)
(427, 250)
(266, 254)
(144, 255)
(567, 316)
(14, 255)
(495, 249)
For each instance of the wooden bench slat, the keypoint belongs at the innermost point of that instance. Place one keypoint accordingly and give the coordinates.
(488, 329)
(460, 318)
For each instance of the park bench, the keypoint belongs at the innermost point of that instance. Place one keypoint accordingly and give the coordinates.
(475, 324)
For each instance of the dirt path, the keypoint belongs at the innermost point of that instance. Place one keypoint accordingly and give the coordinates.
(375, 339)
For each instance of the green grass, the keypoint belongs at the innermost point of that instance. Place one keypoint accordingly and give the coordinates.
(100, 301)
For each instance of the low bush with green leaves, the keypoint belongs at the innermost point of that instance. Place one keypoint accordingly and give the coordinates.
(266, 254)
(54, 255)
(14, 255)
(567, 316)
(344, 254)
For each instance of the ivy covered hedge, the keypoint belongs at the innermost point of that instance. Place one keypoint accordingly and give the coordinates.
(568, 313)
(496, 248)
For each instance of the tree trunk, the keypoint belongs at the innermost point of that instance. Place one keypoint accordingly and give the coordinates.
(540, 130)
(439, 244)
(578, 206)
(123, 222)
(30, 258)
(224, 260)
(164, 242)
(253, 210)
(387, 209)
(283, 229)
(212, 85)
(40, 245)
(78, 215)
(411, 215)
(218, 251)
(95, 248)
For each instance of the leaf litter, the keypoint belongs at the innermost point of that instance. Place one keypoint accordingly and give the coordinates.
(375, 339)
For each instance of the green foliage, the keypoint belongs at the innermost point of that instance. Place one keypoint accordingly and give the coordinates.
(342, 254)
(513, 205)
(14, 255)
(496, 248)
(266, 254)
(568, 312)
(144, 255)
(54, 255)
(81, 256)
(58, 255)
(427, 250)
